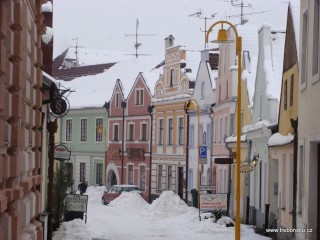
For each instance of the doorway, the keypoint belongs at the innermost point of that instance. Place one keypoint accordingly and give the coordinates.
(180, 182)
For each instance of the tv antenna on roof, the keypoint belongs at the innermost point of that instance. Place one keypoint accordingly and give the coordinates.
(198, 14)
(241, 5)
(137, 44)
(76, 52)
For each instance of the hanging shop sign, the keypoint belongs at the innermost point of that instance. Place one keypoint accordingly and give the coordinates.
(246, 168)
(59, 107)
(75, 204)
(61, 152)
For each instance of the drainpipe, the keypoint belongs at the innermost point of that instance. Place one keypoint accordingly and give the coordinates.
(294, 124)
(150, 110)
(123, 105)
(186, 107)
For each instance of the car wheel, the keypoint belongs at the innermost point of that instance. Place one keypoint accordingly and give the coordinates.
(103, 202)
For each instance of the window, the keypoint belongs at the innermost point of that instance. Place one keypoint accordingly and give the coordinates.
(130, 174)
(139, 97)
(69, 130)
(190, 179)
(231, 124)
(160, 177)
(226, 125)
(180, 135)
(291, 89)
(202, 89)
(99, 174)
(315, 43)
(285, 96)
(99, 129)
(82, 172)
(116, 132)
(304, 49)
(131, 132)
(171, 77)
(191, 136)
(116, 102)
(220, 131)
(201, 135)
(208, 134)
(169, 178)
(160, 131)
(83, 137)
(142, 179)
(170, 131)
(143, 132)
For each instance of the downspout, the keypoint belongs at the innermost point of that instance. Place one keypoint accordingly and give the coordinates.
(187, 150)
(150, 110)
(294, 124)
(123, 105)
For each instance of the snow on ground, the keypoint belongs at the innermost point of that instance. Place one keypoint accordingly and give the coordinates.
(130, 217)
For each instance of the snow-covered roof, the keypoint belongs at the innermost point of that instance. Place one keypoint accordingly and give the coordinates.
(231, 139)
(255, 126)
(47, 7)
(87, 56)
(278, 139)
(94, 90)
(213, 75)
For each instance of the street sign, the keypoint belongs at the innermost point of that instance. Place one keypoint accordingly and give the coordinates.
(223, 160)
(203, 151)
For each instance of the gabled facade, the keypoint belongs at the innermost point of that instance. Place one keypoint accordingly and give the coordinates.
(204, 95)
(264, 114)
(129, 136)
(283, 144)
(308, 194)
(172, 91)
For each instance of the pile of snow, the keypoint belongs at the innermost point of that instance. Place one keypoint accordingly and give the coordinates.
(130, 201)
(225, 221)
(95, 194)
(168, 204)
(277, 139)
(76, 229)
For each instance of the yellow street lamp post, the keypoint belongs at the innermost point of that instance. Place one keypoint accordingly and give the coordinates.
(191, 106)
(222, 38)
(101, 129)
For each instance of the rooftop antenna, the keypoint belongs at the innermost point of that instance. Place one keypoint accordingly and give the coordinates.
(137, 44)
(77, 61)
(198, 14)
(244, 14)
(241, 5)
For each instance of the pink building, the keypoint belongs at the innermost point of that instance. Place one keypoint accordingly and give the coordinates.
(128, 159)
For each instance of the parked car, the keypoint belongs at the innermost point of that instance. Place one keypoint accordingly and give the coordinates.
(115, 192)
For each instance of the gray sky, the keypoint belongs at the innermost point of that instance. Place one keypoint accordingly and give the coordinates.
(103, 24)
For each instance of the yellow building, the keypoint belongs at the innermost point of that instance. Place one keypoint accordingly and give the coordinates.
(172, 91)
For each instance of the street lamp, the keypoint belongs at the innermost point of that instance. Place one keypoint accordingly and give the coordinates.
(222, 38)
(101, 128)
(190, 105)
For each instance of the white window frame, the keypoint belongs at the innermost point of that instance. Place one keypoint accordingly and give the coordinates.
(169, 180)
(99, 133)
(129, 132)
(142, 177)
(141, 131)
(159, 177)
(85, 130)
(180, 130)
(113, 132)
(128, 174)
(315, 68)
(139, 97)
(66, 132)
(161, 131)
(116, 100)
(170, 132)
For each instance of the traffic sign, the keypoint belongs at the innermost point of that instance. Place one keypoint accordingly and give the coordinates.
(203, 151)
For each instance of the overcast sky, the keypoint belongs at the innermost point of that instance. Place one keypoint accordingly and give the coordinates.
(103, 24)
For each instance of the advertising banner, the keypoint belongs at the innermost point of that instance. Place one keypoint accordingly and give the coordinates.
(209, 202)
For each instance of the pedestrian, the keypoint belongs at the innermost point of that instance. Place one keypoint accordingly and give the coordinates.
(82, 187)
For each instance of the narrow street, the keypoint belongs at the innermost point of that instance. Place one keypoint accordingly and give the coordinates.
(130, 217)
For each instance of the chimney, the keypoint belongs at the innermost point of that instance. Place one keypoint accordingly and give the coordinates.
(169, 42)
(205, 55)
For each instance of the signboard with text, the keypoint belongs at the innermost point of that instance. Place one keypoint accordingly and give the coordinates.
(76, 202)
(61, 152)
(209, 202)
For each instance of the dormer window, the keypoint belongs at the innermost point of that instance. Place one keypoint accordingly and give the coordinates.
(116, 100)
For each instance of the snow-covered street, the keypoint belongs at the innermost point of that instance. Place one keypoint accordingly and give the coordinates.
(130, 217)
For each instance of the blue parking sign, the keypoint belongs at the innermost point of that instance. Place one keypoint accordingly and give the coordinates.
(203, 151)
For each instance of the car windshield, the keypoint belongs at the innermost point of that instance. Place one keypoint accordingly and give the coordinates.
(129, 189)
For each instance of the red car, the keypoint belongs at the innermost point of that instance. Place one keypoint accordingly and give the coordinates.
(115, 192)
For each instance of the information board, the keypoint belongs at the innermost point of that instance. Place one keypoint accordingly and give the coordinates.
(209, 202)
